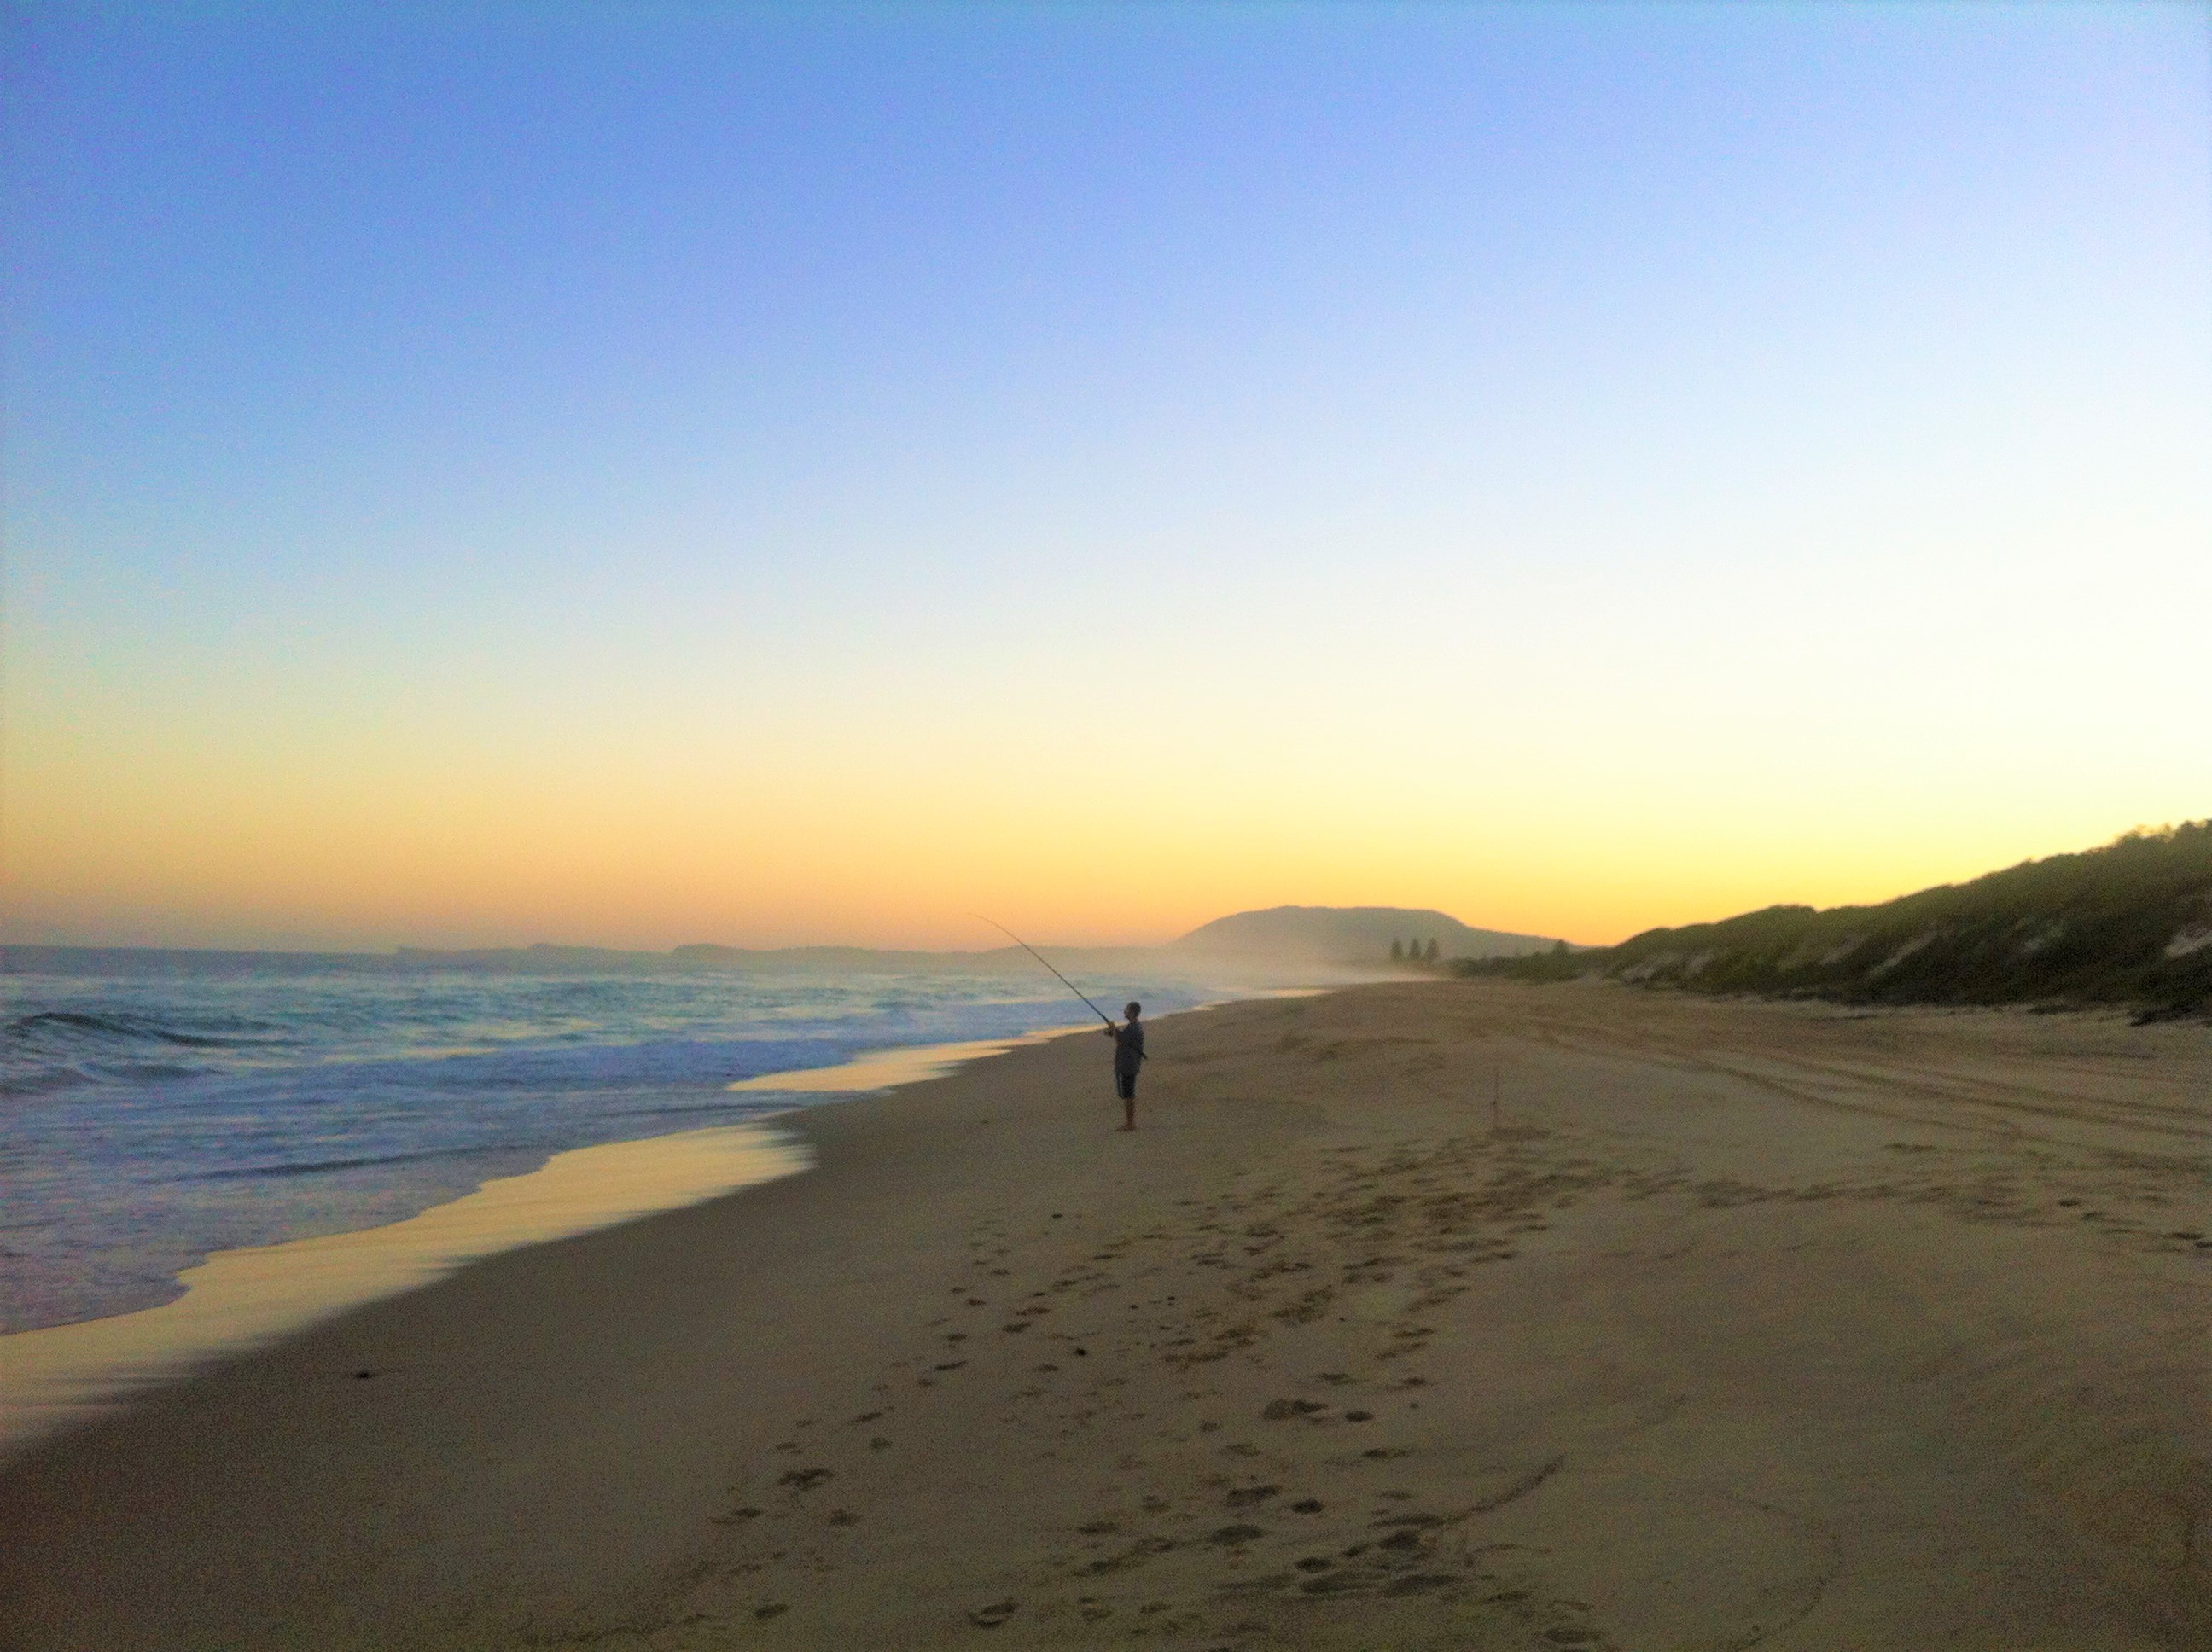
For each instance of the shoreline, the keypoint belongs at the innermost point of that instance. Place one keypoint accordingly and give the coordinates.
(56, 1378)
(160, 1119)
(1730, 1320)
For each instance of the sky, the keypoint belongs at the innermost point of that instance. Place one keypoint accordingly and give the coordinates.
(640, 474)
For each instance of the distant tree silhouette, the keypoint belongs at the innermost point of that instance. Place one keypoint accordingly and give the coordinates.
(1432, 949)
(1397, 952)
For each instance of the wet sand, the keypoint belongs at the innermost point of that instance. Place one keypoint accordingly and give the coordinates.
(237, 1300)
(1446, 1315)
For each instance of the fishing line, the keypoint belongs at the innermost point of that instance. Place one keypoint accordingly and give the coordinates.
(1046, 961)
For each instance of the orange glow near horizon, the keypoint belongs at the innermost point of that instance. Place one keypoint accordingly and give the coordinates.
(886, 852)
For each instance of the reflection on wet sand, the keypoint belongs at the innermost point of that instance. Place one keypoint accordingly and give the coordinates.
(882, 1069)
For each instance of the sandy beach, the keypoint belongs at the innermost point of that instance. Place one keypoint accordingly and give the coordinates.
(1441, 1315)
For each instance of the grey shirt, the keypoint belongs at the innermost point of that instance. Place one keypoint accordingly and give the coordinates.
(1128, 1049)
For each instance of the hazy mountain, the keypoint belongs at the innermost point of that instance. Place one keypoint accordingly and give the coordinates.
(1131, 961)
(1277, 945)
(1353, 936)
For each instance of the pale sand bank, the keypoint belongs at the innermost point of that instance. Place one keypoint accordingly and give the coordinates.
(1744, 1325)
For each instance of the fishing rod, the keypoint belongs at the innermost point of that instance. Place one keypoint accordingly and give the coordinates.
(1046, 961)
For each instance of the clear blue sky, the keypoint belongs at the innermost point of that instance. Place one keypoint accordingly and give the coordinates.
(1772, 436)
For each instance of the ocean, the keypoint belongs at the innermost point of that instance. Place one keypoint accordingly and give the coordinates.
(158, 1110)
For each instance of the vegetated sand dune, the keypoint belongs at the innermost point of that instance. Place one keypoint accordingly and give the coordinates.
(2127, 924)
(1440, 1315)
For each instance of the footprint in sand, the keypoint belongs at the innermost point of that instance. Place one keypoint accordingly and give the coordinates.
(1421, 1583)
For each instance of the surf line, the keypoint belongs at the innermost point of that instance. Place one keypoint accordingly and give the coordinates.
(1046, 961)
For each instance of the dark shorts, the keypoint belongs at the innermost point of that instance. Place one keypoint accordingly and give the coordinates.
(1125, 1085)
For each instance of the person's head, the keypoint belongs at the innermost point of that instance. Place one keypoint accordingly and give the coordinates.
(1133, 1010)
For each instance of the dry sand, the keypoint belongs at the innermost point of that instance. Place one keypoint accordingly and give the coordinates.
(1736, 1325)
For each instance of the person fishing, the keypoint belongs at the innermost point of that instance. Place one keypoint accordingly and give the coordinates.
(1128, 1038)
(1129, 1055)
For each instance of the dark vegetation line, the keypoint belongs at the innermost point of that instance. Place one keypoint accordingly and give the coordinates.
(2129, 923)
